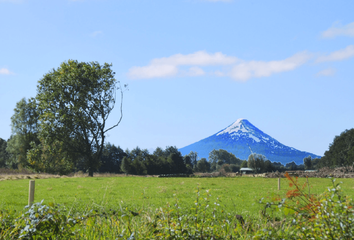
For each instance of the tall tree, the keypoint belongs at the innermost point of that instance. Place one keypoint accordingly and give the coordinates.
(176, 163)
(4, 155)
(194, 158)
(126, 165)
(74, 102)
(188, 162)
(112, 158)
(341, 151)
(244, 164)
(24, 127)
(50, 158)
(308, 162)
(256, 162)
(203, 165)
(291, 166)
(268, 166)
(217, 158)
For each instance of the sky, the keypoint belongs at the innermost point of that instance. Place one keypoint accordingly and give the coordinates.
(193, 67)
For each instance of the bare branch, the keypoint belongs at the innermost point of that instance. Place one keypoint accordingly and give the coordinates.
(121, 110)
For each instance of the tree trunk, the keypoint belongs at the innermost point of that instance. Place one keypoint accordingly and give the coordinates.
(90, 172)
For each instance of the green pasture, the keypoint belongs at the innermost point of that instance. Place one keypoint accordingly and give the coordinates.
(238, 195)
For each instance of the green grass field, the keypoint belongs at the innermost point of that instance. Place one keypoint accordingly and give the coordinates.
(169, 208)
(238, 195)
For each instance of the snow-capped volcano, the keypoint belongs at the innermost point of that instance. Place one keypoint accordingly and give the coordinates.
(240, 128)
(240, 137)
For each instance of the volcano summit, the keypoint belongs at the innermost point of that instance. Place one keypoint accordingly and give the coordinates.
(239, 137)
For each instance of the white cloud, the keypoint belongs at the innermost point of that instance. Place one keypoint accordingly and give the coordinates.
(326, 72)
(198, 58)
(339, 30)
(153, 71)
(240, 70)
(4, 71)
(338, 55)
(247, 70)
(168, 66)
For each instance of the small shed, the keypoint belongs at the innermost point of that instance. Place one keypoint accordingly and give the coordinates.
(246, 170)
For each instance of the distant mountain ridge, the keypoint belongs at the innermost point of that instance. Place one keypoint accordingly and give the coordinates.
(239, 137)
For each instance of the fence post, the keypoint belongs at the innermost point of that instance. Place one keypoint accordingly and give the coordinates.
(31, 192)
(279, 183)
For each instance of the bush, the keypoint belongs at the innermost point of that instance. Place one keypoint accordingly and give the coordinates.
(48, 222)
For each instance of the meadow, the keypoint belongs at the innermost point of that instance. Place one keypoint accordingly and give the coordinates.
(150, 196)
(239, 195)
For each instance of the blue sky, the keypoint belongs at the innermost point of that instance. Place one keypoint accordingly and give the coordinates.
(193, 66)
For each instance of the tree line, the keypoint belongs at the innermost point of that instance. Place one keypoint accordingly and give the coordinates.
(162, 161)
(16, 153)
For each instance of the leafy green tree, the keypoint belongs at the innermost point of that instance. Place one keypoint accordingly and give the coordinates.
(153, 165)
(74, 102)
(24, 127)
(316, 163)
(234, 168)
(161, 164)
(291, 166)
(170, 160)
(244, 164)
(268, 166)
(112, 158)
(159, 152)
(126, 165)
(226, 167)
(256, 162)
(341, 151)
(171, 149)
(194, 158)
(137, 152)
(217, 158)
(166, 161)
(4, 155)
(188, 162)
(50, 158)
(203, 165)
(277, 166)
(139, 166)
(308, 162)
(176, 163)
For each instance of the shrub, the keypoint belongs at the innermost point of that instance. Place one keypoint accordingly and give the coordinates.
(48, 222)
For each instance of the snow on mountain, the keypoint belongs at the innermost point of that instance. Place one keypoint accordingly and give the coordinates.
(239, 137)
(234, 128)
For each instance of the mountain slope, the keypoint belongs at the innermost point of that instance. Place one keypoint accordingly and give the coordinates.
(239, 137)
